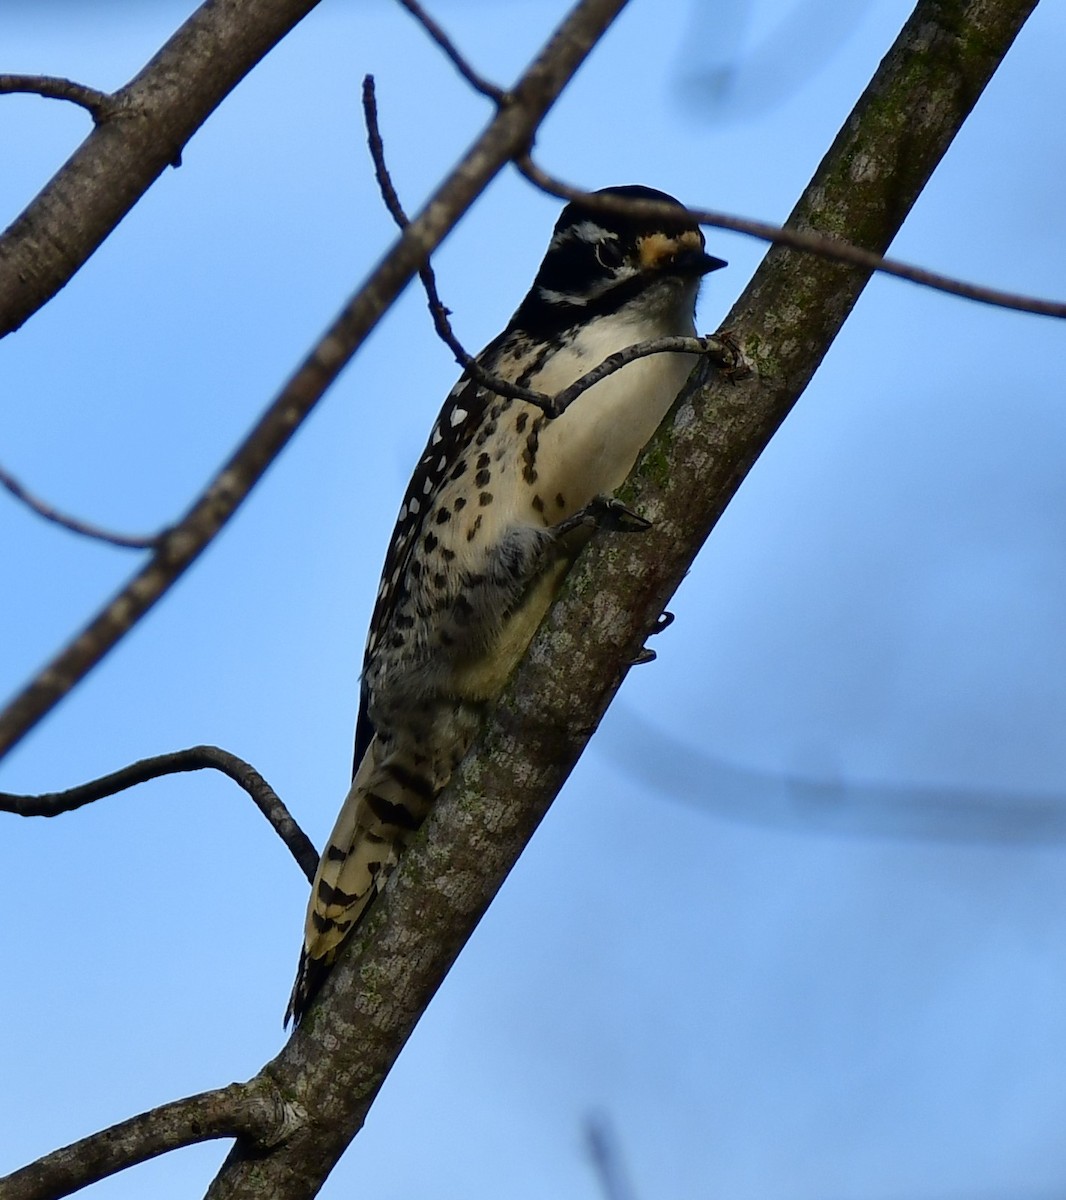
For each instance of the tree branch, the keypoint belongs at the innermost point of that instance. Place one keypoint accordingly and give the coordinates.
(478, 82)
(74, 524)
(721, 351)
(255, 1112)
(606, 1158)
(196, 758)
(784, 322)
(824, 245)
(506, 135)
(100, 105)
(109, 172)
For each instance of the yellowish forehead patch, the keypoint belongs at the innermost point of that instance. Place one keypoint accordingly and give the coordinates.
(656, 248)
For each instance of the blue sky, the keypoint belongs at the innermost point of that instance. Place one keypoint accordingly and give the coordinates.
(783, 945)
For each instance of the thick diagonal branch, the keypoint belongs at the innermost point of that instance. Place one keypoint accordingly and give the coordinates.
(253, 1111)
(141, 130)
(784, 321)
(196, 758)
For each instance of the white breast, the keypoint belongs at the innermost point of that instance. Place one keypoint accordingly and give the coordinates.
(592, 447)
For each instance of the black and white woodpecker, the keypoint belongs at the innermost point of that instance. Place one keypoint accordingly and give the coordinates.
(500, 503)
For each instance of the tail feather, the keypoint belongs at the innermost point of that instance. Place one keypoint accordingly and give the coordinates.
(388, 800)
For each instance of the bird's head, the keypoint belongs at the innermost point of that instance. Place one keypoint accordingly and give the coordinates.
(600, 262)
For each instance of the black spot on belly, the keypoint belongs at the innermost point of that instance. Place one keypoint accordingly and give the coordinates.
(444, 515)
(482, 478)
(430, 542)
(485, 499)
(459, 503)
(538, 504)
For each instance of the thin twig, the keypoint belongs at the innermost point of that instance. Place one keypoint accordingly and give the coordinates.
(507, 133)
(437, 309)
(254, 1111)
(75, 524)
(478, 82)
(796, 239)
(196, 758)
(99, 105)
(719, 352)
(606, 1158)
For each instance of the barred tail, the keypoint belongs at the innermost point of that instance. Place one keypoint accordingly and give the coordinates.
(388, 800)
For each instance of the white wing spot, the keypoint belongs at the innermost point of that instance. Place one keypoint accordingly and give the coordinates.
(459, 415)
(436, 438)
(442, 462)
(427, 486)
(414, 506)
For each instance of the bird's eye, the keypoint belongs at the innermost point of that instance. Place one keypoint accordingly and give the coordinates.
(609, 254)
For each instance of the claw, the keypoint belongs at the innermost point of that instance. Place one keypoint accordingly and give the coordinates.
(604, 512)
(666, 619)
(645, 656)
(612, 514)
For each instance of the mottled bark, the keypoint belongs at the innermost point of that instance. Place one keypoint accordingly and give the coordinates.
(254, 1112)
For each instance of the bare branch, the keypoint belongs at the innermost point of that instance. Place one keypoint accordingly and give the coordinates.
(253, 1111)
(109, 172)
(722, 351)
(785, 321)
(718, 351)
(100, 105)
(806, 240)
(506, 135)
(196, 758)
(478, 82)
(74, 524)
(437, 309)
(606, 1158)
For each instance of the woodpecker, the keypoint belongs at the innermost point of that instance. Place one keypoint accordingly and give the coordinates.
(500, 503)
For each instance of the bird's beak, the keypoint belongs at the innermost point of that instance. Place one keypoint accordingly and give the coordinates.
(682, 255)
(706, 263)
(694, 262)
